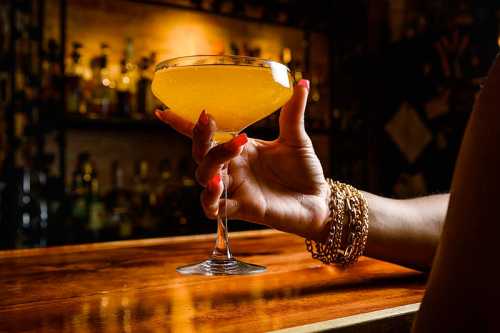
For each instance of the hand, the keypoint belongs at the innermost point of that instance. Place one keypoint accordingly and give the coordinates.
(278, 183)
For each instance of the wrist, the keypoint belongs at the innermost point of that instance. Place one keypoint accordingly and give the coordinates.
(321, 230)
(345, 231)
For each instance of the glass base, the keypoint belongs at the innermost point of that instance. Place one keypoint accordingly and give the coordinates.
(220, 267)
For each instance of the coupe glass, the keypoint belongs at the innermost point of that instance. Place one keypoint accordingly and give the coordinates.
(237, 92)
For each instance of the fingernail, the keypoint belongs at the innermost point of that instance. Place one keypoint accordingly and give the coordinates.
(204, 118)
(214, 183)
(304, 83)
(158, 114)
(239, 141)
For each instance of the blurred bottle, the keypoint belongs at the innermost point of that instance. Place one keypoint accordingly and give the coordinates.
(233, 46)
(32, 207)
(143, 199)
(125, 83)
(4, 30)
(75, 102)
(51, 81)
(317, 118)
(78, 200)
(118, 203)
(4, 56)
(97, 212)
(187, 194)
(146, 102)
(166, 203)
(102, 94)
(81, 186)
(166, 180)
(291, 61)
(22, 42)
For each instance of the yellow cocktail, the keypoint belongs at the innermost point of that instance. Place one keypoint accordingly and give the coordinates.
(236, 96)
(236, 92)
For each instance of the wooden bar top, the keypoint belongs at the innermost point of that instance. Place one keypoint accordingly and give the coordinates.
(132, 286)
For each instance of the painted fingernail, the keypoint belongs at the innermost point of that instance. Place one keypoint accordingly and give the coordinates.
(214, 183)
(304, 83)
(204, 118)
(239, 141)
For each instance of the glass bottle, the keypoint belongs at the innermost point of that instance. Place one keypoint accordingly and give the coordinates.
(74, 83)
(97, 211)
(124, 85)
(118, 202)
(101, 96)
(145, 99)
(142, 198)
(166, 203)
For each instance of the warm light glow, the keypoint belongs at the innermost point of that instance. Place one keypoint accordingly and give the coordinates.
(298, 76)
(315, 96)
(287, 55)
(106, 82)
(125, 301)
(87, 74)
(104, 302)
(126, 80)
(170, 33)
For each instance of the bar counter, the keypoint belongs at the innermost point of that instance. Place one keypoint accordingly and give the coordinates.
(132, 286)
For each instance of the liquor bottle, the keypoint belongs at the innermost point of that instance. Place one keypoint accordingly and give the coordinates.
(22, 44)
(187, 193)
(52, 84)
(233, 46)
(78, 198)
(166, 180)
(74, 83)
(81, 188)
(101, 95)
(32, 212)
(142, 196)
(4, 30)
(145, 99)
(4, 56)
(97, 211)
(124, 85)
(166, 197)
(118, 203)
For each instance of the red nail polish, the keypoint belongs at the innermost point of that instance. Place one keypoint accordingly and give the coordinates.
(214, 182)
(204, 118)
(304, 83)
(239, 141)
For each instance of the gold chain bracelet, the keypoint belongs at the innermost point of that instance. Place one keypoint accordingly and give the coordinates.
(347, 224)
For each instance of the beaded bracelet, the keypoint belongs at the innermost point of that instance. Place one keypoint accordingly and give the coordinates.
(348, 227)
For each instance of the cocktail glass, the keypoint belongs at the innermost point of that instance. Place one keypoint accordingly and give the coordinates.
(237, 92)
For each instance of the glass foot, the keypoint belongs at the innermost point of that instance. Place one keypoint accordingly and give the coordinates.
(220, 267)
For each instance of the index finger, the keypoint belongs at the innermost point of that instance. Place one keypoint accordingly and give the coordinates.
(178, 123)
(203, 133)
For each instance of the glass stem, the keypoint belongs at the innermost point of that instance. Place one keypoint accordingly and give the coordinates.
(222, 251)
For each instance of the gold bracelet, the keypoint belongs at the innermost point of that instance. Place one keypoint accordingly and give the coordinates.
(347, 224)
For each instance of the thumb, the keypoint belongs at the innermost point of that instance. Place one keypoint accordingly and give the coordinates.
(292, 130)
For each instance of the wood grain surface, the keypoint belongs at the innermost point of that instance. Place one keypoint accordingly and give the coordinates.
(132, 286)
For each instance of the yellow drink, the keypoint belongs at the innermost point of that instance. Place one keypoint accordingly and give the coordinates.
(235, 95)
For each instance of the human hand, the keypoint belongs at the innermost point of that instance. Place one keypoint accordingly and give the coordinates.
(277, 183)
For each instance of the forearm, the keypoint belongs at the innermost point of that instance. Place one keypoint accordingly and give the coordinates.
(405, 232)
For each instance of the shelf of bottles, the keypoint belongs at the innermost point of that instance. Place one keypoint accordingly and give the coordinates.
(95, 99)
(45, 96)
(30, 81)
